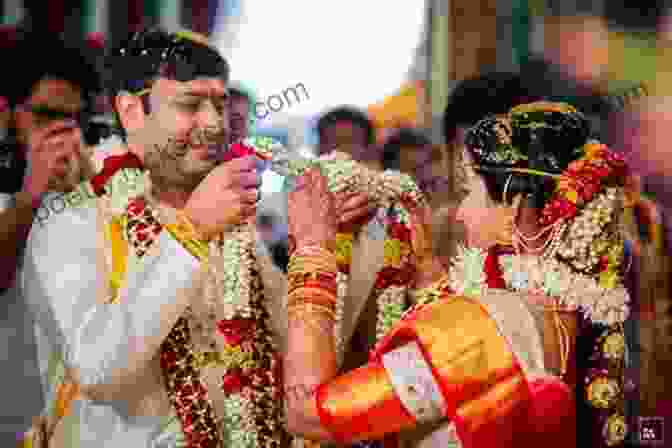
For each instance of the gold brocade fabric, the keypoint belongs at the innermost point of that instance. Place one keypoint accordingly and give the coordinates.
(473, 363)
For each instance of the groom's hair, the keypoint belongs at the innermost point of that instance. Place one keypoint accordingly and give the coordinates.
(136, 62)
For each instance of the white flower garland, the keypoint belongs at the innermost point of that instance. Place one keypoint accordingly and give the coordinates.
(125, 185)
(531, 275)
(466, 276)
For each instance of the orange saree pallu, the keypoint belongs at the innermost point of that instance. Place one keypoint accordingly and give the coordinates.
(480, 385)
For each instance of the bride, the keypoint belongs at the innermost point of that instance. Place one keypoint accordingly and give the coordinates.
(520, 342)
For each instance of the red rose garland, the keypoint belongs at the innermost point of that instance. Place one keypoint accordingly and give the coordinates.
(582, 180)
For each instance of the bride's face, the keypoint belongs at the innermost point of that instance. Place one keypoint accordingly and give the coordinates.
(482, 220)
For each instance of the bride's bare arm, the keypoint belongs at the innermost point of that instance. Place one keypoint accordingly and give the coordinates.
(311, 354)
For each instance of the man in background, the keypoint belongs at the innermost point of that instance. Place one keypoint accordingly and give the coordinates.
(351, 131)
(412, 153)
(43, 156)
(241, 113)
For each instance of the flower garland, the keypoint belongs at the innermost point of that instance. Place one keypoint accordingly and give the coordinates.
(582, 181)
(473, 271)
(391, 191)
(247, 356)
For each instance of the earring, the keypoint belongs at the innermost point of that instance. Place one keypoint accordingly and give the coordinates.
(505, 235)
(510, 213)
(507, 184)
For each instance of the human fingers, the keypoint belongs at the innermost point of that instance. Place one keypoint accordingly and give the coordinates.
(246, 180)
(72, 139)
(249, 196)
(57, 154)
(358, 201)
(53, 130)
(241, 164)
(319, 181)
(342, 197)
(300, 182)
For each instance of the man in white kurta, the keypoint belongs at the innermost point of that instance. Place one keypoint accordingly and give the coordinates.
(106, 343)
(110, 345)
(110, 341)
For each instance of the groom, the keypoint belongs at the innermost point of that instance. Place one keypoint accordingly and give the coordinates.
(120, 313)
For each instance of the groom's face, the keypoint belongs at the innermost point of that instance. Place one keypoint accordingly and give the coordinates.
(186, 130)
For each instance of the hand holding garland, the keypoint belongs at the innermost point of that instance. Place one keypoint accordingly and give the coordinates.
(429, 269)
(226, 197)
(311, 356)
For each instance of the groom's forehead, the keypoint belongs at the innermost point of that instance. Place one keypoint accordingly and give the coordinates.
(212, 87)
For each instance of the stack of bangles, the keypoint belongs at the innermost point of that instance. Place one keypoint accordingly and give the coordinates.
(312, 287)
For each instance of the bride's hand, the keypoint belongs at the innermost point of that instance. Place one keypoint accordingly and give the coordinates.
(428, 264)
(312, 216)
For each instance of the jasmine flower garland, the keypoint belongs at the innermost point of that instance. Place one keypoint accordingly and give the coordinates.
(530, 275)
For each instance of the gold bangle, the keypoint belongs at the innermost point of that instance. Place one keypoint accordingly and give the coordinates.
(313, 254)
(312, 296)
(311, 309)
(311, 264)
(306, 265)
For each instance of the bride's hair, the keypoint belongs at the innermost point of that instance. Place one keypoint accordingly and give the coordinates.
(535, 149)
(545, 137)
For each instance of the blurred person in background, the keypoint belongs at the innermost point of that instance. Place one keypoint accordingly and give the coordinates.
(472, 99)
(43, 157)
(241, 113)
(410, 152)
(351, 131)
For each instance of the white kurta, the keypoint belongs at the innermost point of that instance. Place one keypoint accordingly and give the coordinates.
(20, 386)
(112, 348)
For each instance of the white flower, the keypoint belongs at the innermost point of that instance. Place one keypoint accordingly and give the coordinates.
(124, 186)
